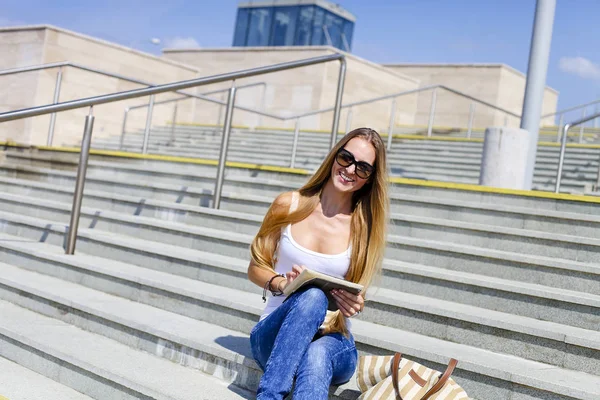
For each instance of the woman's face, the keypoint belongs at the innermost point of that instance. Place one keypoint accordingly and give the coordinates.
(345, 178)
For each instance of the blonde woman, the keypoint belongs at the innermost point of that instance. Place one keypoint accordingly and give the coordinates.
(335, 224)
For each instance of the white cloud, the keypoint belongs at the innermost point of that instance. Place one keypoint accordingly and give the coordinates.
(581, 67)
(181, 43)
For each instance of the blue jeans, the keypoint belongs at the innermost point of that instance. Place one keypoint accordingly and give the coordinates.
(287, 344)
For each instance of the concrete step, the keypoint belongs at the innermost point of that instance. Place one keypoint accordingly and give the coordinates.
(237, 182)
(282, 154)
(318, 151)
(552, 343)
(535, 201)
(547, 271)
(447, 209)
(515, 240)
(69, 162)
(98, 366)
(20, 383)
(536, 301)
(82, 302)
(536, 243)
(202, 184)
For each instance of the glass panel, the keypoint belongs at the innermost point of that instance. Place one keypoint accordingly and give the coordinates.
(348, 31)
(304, 26)
(334, 26)
(284, 26)
(241, 27)
(260, 26)
(317, 33)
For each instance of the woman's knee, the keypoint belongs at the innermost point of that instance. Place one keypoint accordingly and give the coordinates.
(314, 297)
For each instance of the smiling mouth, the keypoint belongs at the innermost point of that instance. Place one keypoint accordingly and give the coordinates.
(345, 177)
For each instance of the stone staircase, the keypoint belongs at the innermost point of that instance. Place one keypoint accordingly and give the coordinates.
(441, 159)
(156, 303)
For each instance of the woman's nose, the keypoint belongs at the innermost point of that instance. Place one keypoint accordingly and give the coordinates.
(351, 168)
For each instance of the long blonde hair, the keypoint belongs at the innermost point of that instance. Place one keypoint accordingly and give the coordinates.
(368, 224)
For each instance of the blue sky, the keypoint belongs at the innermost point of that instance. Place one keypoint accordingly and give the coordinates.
(387, 31)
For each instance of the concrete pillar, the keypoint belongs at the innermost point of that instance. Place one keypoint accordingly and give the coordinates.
(536, 77)
(504, 159)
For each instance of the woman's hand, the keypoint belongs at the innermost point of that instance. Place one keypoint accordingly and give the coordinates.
(348, 303)
(290, 276)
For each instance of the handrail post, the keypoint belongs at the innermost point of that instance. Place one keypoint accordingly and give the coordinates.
(220, 115)
(173, 123)
(224, 147)
(391, 126)
(597, 187)
(122, 141)
(349, 120)
(295, 143)
(432, 112)
(80, 183)
(581, 127)
(471, 117)
(55, 101)
(263, 103)
(148, 125)
(561, 120)
(338, 103)
(561, 157)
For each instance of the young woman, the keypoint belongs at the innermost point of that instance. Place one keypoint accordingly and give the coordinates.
(335, 224)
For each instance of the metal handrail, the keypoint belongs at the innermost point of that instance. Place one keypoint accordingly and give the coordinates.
(170, 87)
(577, 107)
(57, 88)
(176, 100)
(563, 147)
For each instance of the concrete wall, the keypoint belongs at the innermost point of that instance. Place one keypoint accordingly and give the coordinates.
(19, 48)
(512, 88)
(56, 45)
(304, 89)
(493, 83)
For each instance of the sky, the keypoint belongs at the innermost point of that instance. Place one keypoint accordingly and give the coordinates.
(387, 31)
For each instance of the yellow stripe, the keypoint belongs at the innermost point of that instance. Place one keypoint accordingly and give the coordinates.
(549, 131)
(297, 171)
(3, 398)
(493, 190)
(546, 130)
(159, 157)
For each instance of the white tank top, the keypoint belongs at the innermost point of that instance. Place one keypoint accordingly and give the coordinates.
(289, 252)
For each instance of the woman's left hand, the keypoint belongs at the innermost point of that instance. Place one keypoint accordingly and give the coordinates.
(348, 303)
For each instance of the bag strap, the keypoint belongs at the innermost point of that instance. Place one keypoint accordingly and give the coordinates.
(436, 388)
(440, 384)
(395, 368)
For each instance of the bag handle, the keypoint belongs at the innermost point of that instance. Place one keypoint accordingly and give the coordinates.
(436, 388)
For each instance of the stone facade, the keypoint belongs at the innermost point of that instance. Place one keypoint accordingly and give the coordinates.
(285, 94)
(496, 84)
(37, 45)
(305, 89)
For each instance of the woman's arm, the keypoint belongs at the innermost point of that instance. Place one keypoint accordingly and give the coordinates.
(260, 276)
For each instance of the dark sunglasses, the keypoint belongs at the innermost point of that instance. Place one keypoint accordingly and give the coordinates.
(345, 159)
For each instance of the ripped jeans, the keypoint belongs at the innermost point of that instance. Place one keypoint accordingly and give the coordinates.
(287, 344)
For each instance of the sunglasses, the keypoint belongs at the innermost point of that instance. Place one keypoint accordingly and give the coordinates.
(345, 159)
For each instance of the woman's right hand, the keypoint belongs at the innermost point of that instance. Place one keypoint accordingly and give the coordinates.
(293, 274)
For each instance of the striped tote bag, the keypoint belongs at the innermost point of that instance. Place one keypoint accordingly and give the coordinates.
(411, 380)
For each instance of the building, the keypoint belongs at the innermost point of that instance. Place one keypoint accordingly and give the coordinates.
(293, 23)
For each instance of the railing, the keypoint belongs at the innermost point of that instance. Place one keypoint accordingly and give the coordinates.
(392, 96)
(170, 87)
(152, 103)
(58, 84)
(563, 147)
(562, 113)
